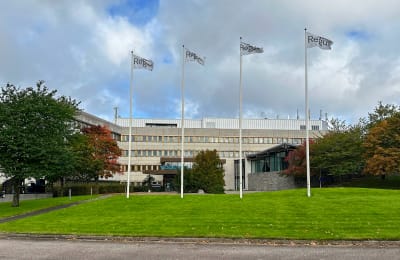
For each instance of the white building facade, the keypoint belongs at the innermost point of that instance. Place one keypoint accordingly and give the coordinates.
(155, 141)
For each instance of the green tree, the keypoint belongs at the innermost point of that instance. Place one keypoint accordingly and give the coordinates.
(339, 152)
(381, 112)
(34, 126)
(207, 174)
(84, 167)
(382, 147)
(190, 183)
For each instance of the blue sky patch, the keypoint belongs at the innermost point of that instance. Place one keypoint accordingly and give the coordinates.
(167, 59)
(138, 12)
(358, 35)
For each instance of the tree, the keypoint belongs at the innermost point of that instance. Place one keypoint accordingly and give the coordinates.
(84, 167)
(382, 147)
(338, 125)
(381, 112)
(100, 152)
(296, 161)
(339, 152)
(207, 174)
(34, 126)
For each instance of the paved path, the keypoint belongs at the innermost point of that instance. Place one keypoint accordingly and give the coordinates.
(11, 248)
(42, 211)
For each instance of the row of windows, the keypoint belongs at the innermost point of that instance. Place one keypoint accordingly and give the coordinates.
(177, 153)
(140, 168)
(211, 139)
(274, 162)
(169, 165)
(313, 127)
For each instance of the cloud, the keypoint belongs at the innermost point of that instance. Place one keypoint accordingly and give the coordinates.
(82, 49)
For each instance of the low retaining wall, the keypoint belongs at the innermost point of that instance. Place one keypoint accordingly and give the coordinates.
(33, 196)
(269, 181)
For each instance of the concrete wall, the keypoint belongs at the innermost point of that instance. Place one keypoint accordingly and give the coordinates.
(269, 181)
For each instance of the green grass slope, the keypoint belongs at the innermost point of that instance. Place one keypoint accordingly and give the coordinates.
(331, 213)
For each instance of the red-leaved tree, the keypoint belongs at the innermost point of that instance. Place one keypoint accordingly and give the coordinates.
(296, 161)
(104, 150)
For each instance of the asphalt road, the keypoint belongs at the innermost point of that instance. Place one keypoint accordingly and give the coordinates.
(11, 248)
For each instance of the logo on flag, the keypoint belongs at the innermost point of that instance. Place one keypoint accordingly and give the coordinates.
(141, 63)
(191, 56)
(314, 40)
(246, 49)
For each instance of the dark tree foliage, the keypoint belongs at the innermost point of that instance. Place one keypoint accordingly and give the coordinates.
(339, 152)
(207, 174)
(34, 126)
(84, 167)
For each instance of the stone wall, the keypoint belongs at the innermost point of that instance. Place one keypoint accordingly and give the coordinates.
(269, 181)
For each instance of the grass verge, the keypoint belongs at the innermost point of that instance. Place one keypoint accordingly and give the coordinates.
(331, 213)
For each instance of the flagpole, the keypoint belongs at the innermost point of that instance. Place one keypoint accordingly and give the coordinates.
(130, 130)
(240, 124)
(307, 113)
(182, 117)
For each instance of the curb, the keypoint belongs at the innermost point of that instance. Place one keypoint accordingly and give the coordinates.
(193, 240)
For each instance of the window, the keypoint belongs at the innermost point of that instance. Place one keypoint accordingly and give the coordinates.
(267, 140)
(315, 127)
(296, 140)
(302, 127)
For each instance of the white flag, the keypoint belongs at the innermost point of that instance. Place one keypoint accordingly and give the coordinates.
(314, 40)
(246, 49)
(141, 63)
(191, 56)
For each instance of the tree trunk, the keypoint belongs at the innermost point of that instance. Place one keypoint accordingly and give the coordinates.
(16, 186)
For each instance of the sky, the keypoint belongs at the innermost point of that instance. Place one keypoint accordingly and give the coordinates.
(82, 49)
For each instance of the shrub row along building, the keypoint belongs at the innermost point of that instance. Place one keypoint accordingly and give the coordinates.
(156, 147)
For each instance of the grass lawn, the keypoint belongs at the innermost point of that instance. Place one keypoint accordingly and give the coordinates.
(331, 213)
(32, 205)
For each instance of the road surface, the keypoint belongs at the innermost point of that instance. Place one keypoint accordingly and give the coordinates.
(15, 248)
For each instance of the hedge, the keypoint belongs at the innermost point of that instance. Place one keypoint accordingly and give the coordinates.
(92, 188)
